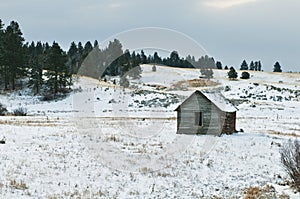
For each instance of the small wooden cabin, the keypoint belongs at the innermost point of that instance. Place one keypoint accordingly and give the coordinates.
(206, 113)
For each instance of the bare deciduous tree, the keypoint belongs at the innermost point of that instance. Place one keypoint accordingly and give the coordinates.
(290, 158)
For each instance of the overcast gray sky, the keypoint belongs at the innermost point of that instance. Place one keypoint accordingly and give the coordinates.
(230, 30)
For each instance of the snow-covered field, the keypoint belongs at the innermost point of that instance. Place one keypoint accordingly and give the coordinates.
(106, 142)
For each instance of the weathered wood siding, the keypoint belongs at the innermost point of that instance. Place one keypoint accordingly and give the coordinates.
(229, 123)
(215, 121)
(210, 114)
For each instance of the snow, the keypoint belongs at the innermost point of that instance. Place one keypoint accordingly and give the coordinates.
(220, 101)
(107, 142)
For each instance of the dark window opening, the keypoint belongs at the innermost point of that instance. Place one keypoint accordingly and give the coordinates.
(198, 119)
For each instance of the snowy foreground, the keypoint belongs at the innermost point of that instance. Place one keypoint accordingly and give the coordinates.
(106, 142)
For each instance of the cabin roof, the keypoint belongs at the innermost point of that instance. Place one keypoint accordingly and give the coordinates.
(216, 98)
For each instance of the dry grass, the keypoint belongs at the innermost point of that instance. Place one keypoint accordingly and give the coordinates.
(145, 170)
(253, 193)
(266, 192)
(201, 83)
(31, 121)
(283, 134)
(78, 194)
(163, 174)
(112, 138)
(196, 83)
(18, 185)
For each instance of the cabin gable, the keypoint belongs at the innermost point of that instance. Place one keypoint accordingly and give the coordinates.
(199, 115)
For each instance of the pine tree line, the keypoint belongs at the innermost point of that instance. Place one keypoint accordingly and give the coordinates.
(40, 66)
(255, 66)
(12, 55)
(175, 60)
(110, 61)
(113, 61)
(48, 68)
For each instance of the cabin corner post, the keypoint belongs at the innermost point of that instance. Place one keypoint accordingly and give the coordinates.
(178, 120)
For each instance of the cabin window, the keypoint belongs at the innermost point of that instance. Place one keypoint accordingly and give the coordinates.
(198, 119)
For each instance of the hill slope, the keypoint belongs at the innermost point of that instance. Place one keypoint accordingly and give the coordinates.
(103, 141)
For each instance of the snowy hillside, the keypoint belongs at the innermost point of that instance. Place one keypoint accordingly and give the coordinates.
(103, 141)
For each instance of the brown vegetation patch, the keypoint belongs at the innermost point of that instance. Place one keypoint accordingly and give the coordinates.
(183, 85)
(202, 83)
(260, 192)
(32, 121)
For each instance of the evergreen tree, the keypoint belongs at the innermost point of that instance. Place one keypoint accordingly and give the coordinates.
(245, 75)
(219, 65)
(277, 67)
(57, 70)
(256, 66)
(232, 74)
(125, 62)
(251, 65)
(143, 57)
(189, 62)
(193, 61)
(154, 68)
(46, 47)
(186, 64)
(73, 63)
(207, 72)
(259, 66)
(92, 65)
(156, 58)
(201, 62)
(226, 67)
(113, 55)
(87, 49)
(136, 70)
(80, 53)
(133, 60)
(96, 44)
(124, 82)
(244, 65)
(205, 62)
(174, 59)
(149, 59)
(211, 63)
(13, 59)
(138, 59)
(35, 62)
(2, 67)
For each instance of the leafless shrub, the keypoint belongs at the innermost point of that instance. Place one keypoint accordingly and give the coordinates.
(3, 110)
(290, 158)
(20, 111)
(18, 185)
(145, 170)
(163, 174)
(113, 138)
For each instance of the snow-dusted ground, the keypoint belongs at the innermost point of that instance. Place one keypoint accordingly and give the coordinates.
(106, 142)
